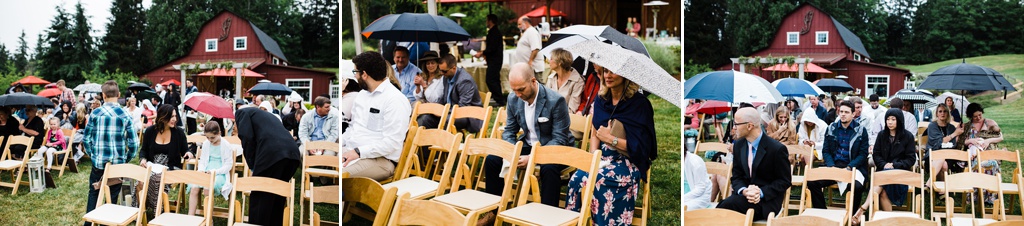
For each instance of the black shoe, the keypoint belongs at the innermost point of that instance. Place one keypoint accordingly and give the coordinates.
(49, 180)
(73, 166)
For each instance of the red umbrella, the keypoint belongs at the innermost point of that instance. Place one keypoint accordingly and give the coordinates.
(51, 92)
(714, 107)
(31, 80)
(210, 104)
(168, 82)
(539, 12)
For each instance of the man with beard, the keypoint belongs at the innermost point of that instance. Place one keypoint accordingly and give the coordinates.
(380, 119)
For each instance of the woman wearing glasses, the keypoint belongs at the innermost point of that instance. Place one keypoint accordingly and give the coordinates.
(942, 134)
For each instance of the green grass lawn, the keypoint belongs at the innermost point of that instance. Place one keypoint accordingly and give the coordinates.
(65, 205)
(665, 177)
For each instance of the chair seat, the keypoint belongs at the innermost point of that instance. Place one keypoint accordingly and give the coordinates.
(985, 221)
(10, 164)
(322, 172)
(540, 214)
(939, 186)
(244, 224)
(469, 199)
(832, 215)
(177, 219)
(890, 214)
(798, 180)
(112, 214)
(969, 221)
(415, 186)
(1009, 188)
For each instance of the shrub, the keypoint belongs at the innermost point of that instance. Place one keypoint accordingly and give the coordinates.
(666, 57)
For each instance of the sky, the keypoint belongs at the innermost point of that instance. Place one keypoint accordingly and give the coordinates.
(35, 16)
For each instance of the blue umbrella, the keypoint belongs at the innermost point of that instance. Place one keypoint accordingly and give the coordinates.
(270, 88)
(731, 86)
(792, 87)
(415, 27)
(832, 85)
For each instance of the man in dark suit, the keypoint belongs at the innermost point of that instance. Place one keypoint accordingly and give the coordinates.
(760, 182)
(270, 152)
(493, 53)
(459, 89)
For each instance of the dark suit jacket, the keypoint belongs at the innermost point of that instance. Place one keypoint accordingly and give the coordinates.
(264, 143)
(493, 53)
(551, 118)
(771, 171)
(465, 92)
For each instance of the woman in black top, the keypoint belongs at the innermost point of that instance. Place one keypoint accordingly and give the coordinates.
(942, 131)
(8, 125)
(895, 149)
(164, 144)
(33, 127)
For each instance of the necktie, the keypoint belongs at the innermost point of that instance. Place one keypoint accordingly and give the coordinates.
(750, 159)
(448, 94)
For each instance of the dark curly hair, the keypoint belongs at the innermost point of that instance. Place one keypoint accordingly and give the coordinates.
(373, 64)
(973, 108)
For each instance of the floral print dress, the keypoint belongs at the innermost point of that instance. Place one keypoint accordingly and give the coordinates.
(615, 191)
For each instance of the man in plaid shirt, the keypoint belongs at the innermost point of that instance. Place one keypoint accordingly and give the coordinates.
(109, 137)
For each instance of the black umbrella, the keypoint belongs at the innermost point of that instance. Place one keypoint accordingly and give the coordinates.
(832, 85)
(147, 94)
(138, 86)
(24, 99)
(964, 76)
(270, 88)
(415, 27)
(914, 96)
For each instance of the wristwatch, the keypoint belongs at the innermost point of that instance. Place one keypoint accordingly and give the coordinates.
(615, 142)
(357, 152)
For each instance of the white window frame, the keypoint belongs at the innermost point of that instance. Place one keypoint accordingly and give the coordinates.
(856, 56)
(794, 41)
(206, 45)
(817, 39)
(309, 95)
(888, 84)
(245, 43)
(277, 61)
(335, 90)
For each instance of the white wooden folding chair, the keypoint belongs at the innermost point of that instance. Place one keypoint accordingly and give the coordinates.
(108, 213)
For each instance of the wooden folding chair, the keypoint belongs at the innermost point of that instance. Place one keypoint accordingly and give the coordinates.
(1001, 223)
(436, 179)
(582, 124)
(247, 185)
(184, 177)
(69, 134)
(535, 213)
(902, 221)
(471, 112)
(325, 166)
(16, 167)
(470, 199)
(722, 170)
(642, 210)
(967, 183)
(897, 177)
(798, 152)
(239, 164)
(414, 166)
(422, 212)
(711, 146)
(801, 220)
(322, 194)
(500, 119)
(106, 212)
(828, 174)
(940, 186)
(485, 98)
(1009, 156)
(713, 216)
(193, 162)
(370, 193)
(438, 110)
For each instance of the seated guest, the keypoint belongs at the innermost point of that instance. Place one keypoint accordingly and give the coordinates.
(982, 135)
(459, 89)
(781, 129)
(846, 146)
(564, 79)
(163, 144)
(619, 103)
(429, 88)
(696, 185)
(53, 141)
(405, 72)
(943, 135)
(811, 133)
(32, 126)
(755, 152)
(543, 117)
(895, 149)
(217, 158)
(321, 124)
(291, 121)
(380, 120)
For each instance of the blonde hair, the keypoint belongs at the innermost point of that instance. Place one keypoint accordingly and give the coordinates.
(829, 104)
(563, 57)
(391, 76)
(780, 111)
(631, 87)
(949, 116)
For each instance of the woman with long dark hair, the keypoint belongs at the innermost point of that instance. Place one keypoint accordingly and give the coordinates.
(163, 144)
(895, 149)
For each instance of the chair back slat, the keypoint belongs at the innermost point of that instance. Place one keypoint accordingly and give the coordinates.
(321, 160)
(564, 155)
(713, 146)
(265, 184)
(492, 146)
(950, 154)
(322, 145)
(424, 212)
(714, 216)
(325, 194)
(968, 181)
(800, 220)
(829, 173)
(367, 191)
(903, 177)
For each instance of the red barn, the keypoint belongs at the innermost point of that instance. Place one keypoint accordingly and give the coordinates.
(809, 32)
(229, 38)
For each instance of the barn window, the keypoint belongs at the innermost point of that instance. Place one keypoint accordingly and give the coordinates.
(303, 86)
(792, 38)
(211, 45)
(877, 84)
(856, 56)
(821, 38)
(335, 89)
(276, 61)
(241, 43)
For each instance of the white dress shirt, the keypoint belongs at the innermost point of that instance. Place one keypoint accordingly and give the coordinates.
(379, 134)
(530, 113)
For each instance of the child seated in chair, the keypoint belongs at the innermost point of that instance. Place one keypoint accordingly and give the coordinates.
(217, 158)
(54, 141)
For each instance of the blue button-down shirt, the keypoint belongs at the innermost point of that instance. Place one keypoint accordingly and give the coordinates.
(318, 127)
(109, 136)
(406, 77)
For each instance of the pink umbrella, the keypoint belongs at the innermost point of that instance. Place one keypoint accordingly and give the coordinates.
(714, 107)
(210, 104)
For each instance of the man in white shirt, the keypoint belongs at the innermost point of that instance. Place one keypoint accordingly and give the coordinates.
(380, 120)
(876, 112)
(529, 46)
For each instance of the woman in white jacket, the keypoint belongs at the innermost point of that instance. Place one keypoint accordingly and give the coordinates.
(218, 158)
(696, 184)
(811, 132)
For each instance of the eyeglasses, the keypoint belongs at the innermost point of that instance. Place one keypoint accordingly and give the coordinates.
(943, 111)
(356, 72)
(741, 123)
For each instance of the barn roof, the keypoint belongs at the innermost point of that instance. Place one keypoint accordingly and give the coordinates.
(849, 38)
(271, 46)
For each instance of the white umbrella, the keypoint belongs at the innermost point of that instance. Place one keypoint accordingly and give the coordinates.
(959, 101)
(91, 87)
(731, 86)
(633, 66)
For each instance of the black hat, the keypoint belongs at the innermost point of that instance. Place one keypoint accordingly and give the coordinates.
(429, 55)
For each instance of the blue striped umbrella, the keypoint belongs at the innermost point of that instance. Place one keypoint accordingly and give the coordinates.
(731, 86)
(792, 87)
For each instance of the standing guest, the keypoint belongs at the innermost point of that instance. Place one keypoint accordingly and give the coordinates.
(529, 45)
(756, 153)
(894, 150)
(33, 127)
(163, 144)
(620, 107)
(269, 152)
(379, 122)
(66, 94)
(217, 158)
(636, 28)
(954, 111)
(429, 88)
(923, 114)
(135, 111)
(846, 146)
(782, 129)
(942, 134)
(459, 89)
(108, 139)
(564, 79)
(190, 114)
(54, 141)
(174, 99)
(629, 27)
(493, 53)
(696, 183)
(322, 124)
(405, 72)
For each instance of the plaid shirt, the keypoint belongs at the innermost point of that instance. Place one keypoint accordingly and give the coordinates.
(109, 136)
(67, 95)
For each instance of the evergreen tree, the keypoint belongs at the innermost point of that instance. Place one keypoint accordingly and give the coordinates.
(122, 45)
(5, 57)
(21, 57)
(319, 43)
(84, 54)
(172, 26)
(54, 58)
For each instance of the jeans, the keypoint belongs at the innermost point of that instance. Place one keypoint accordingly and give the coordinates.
(95, 176)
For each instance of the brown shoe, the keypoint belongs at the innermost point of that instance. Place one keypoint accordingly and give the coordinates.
(73, 166)
(486, 220)
(49, 180)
